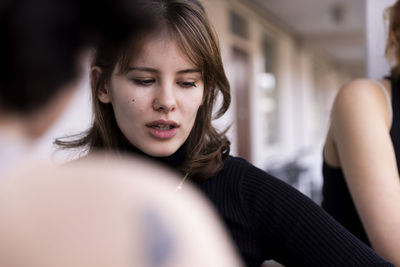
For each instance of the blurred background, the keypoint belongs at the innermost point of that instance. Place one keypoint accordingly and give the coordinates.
(286, 60)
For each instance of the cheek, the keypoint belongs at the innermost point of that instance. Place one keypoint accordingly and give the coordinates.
(192, 107)
(139, 103)
(129, 103)
(126, 108)
(200, 100)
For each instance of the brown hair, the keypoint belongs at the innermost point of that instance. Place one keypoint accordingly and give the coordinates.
(186, 21)
(392, 16)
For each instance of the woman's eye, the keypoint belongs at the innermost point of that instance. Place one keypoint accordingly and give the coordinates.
(144, 82)
(187, 84)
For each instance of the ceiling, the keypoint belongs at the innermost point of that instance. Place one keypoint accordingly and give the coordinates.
(334, 29)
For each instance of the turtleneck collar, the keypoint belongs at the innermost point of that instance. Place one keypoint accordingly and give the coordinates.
(173, 161)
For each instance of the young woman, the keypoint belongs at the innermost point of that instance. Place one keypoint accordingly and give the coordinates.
(155, 98)
(362, 156)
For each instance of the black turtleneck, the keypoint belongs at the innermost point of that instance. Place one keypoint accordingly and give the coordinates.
(268, 219)
(172, 161)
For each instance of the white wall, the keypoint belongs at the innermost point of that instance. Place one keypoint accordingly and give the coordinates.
(75, 119)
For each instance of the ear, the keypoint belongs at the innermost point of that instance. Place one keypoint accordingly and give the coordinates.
(103, 92)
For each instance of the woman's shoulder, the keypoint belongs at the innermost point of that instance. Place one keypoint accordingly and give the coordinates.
(233, 168)
(246, 172)
(362, 88)
(234, 160)
(362, 97)
(260, 189)
(238, 164)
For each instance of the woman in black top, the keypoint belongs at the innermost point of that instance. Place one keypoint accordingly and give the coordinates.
(362, 156)
(156, 98)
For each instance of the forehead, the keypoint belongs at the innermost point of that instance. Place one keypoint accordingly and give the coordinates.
(161, 49)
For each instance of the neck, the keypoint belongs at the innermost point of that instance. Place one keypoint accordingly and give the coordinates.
(25, 126)
(15, 144)
(15, 128)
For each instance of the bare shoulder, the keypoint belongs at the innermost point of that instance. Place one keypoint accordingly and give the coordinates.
(361, 97)
(360, 89)
(98, 208)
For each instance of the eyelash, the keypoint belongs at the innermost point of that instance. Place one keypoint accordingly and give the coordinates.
(187, 84)
(144, 82)
(151, 81)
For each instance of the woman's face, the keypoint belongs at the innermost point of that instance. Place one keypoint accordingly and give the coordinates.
(155, 103)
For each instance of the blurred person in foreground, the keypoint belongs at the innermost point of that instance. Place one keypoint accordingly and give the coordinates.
(101, 211)
(156, 99)
(362, 155)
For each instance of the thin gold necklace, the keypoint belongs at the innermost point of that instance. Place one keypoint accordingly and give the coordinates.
(180, 185)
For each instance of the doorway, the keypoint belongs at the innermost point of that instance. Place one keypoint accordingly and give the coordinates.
(241, 73)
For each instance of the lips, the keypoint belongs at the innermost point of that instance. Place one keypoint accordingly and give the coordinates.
(163, 129)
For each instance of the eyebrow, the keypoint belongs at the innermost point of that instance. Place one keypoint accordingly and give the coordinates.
(189, 71)
(147, 69)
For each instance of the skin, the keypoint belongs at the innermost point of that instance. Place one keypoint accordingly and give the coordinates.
(359, 142)
(60, 217)
(162, 84)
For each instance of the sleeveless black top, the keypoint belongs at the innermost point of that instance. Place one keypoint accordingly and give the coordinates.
(337, 200)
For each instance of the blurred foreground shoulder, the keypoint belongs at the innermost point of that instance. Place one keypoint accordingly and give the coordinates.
(108, 212)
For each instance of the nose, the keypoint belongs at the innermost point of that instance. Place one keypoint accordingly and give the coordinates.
(164, 100)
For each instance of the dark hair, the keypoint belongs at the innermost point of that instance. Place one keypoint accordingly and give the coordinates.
(392, 15)
(41, 40)
(186, 21)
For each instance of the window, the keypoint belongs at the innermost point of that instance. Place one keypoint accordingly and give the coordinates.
(239, 25)
(269, 102)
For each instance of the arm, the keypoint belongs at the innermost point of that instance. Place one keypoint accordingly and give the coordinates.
(360, 128)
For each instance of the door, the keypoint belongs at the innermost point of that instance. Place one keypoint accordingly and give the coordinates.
(241, 74)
